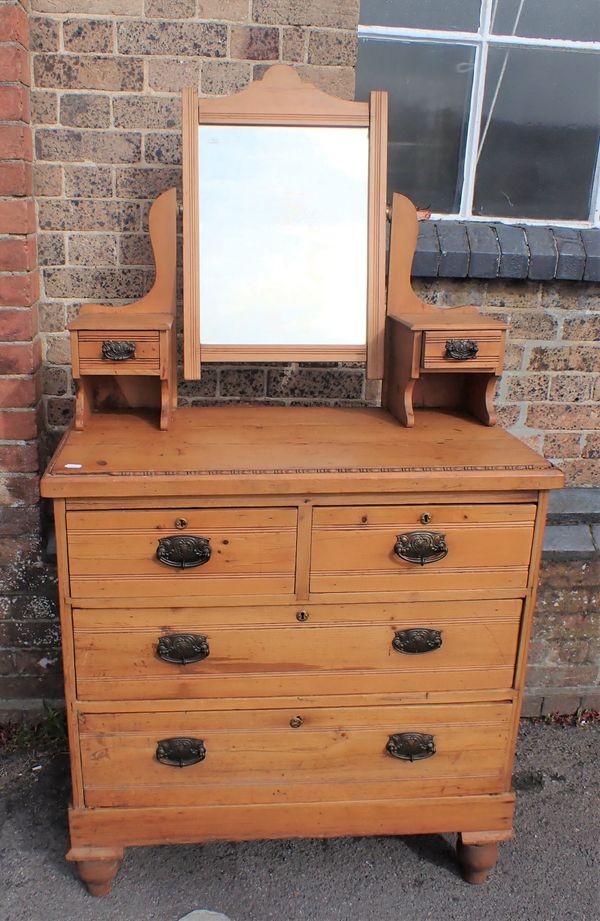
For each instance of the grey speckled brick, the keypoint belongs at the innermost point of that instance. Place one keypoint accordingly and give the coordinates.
(485, 252)
(454, 249)
(426, 260)
(571, 254)
(591, 244)
(571, 540)
(543, 254)
(514, 252)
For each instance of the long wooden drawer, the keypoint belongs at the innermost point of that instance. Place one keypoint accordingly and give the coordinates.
(319, 649)
(284, 755)
(203, 553)
(364, 549)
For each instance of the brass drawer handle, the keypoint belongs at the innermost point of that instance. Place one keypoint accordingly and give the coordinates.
(180, 752)
(461, 349)
(417, 640)
(411, 746)
(118, 350)
(183, 552)
(182, 648)
(421, 547)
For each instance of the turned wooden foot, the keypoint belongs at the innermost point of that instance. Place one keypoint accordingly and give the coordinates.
(476, 860)
(97, 867)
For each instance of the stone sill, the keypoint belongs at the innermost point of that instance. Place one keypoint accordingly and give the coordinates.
(454, 249)
(573, 530)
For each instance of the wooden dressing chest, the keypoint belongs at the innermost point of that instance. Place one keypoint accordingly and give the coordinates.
(285, 622)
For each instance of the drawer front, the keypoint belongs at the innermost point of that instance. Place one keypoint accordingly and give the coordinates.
(195, 553)
(463, 350)
(119, 352)
(390, 549)
(319, 649)
(293, 755)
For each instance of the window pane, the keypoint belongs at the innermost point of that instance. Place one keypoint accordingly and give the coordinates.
(422, 14)
(578, 20)
(538, 155)
(430, 88)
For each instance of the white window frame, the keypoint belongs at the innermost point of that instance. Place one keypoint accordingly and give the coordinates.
(481, 41)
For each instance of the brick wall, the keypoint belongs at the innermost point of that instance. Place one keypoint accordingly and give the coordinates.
(28, 634)
(105, 140)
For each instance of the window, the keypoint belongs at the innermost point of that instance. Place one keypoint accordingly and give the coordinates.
(494, 105)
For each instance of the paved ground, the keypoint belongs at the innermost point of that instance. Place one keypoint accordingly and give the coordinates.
(548, 873)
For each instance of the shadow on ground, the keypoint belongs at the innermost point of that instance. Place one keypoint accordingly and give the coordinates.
(548, 873)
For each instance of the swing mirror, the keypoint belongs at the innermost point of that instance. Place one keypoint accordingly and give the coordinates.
(284, 226)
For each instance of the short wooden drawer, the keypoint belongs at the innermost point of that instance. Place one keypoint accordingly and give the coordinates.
(105, 352)
(195, 553)
(409, 548)
(317, 649)
(462, 350)
(285, 755)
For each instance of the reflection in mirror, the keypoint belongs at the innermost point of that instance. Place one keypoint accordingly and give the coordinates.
(283, 235)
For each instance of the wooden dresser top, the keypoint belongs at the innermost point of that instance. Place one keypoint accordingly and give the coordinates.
(234, 450)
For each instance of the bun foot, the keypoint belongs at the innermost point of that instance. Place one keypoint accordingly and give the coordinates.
(97, 867)
(476, 860)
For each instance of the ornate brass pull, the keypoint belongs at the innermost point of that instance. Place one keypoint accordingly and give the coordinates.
(461, 349)
(118, 350)
(182, 648)
(416, 640)
(411, 746)
(421, 547)
(183, 552)
(180, 752)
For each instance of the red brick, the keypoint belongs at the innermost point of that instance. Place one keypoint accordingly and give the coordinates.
(19, 290)
(14, 65)
(17, 217)
(551, 676)
(570, 573)
(18, 392)
(18, 254)
(14, 26)
(17, 325)
(14, 103)
(15, 142)
(18, 425)
(19, 490)
(16, 178)
(19, 458)
(20, 359)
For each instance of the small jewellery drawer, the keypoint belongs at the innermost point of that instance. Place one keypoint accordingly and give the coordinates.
(463, 349)
(107, 352)
(409, 548)
(293, 755)
(194, 553)
(317, 649)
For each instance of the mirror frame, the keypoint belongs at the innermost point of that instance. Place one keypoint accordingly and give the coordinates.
(282, 98)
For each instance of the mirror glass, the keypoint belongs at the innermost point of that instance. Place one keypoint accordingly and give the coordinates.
(283, 235)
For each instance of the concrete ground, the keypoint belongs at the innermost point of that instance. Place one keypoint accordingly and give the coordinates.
(548, 873)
